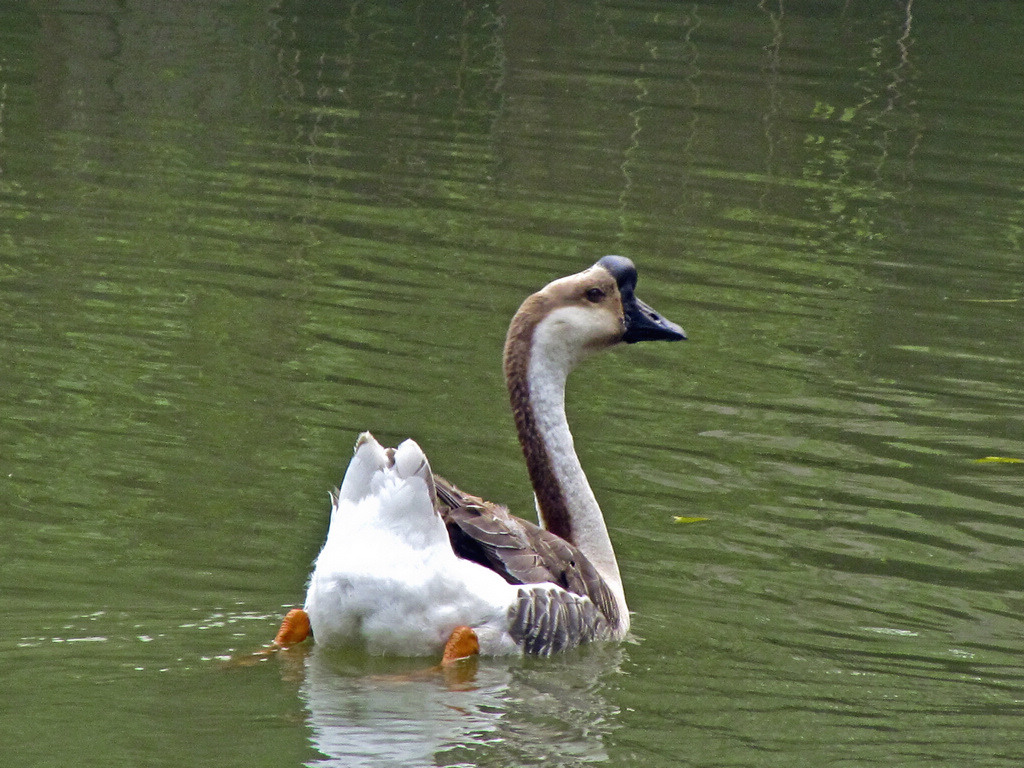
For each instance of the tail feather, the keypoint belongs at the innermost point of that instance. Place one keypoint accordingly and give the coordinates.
(370, 457)
(388, 476)
(410, 461)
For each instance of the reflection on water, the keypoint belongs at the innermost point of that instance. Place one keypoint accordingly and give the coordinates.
(526, 714)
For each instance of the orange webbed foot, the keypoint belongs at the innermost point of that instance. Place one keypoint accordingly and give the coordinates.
(294, 629)
(459, 663)
(461, 644)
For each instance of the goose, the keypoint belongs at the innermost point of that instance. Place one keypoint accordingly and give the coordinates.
(413, 565)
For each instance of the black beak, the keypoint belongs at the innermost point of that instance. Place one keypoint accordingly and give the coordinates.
(644, 324)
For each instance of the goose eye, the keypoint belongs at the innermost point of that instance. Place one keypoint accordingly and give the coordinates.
(594, 295)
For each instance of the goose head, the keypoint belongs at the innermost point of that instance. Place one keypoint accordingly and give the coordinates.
(592, 310)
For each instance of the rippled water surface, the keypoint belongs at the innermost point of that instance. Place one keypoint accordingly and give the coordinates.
(234, 235)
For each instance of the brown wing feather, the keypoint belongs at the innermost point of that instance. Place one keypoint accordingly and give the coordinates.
(521, 552)
(544, 620)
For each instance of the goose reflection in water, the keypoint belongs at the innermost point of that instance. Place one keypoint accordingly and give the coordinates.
(511, 712)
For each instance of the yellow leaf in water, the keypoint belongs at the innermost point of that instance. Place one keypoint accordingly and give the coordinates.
(690, 519)
(999, 460)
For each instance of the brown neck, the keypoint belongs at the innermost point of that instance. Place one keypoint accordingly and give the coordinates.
(551, 504)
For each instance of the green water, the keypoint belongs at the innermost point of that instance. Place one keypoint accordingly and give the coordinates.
(232, 236)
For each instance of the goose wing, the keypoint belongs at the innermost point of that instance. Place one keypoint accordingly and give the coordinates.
(522, 552)
(545, 620)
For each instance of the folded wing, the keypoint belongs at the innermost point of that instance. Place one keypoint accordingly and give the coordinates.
(524, 553)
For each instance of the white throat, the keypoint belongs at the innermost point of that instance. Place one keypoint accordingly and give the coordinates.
(554, 352)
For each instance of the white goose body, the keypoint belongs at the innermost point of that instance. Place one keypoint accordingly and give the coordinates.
(387, 576)
(409, 557)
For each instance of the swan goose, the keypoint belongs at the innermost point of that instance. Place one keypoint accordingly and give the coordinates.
(412, 564)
